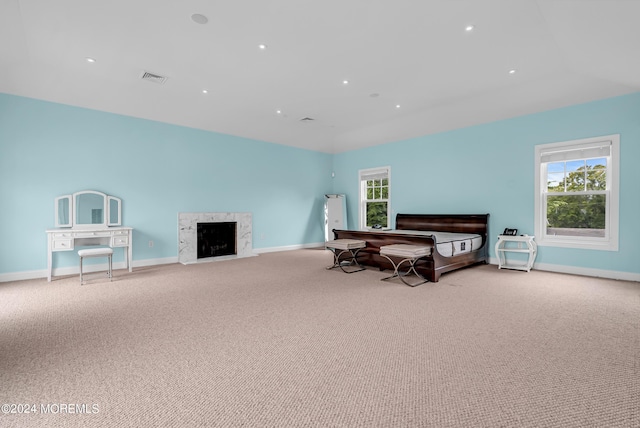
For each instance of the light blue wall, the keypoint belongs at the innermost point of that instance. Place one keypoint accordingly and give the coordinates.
(48, 150)
(490, 169)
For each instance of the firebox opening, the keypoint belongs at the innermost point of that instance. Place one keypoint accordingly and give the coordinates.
(216, 239)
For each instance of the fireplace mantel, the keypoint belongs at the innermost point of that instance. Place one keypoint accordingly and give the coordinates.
(188, 239)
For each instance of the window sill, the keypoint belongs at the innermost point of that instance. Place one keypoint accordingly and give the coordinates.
(604, 245)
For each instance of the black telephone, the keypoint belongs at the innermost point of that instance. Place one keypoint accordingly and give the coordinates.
(510, 232)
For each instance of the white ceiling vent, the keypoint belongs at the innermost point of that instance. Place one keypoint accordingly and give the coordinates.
(152, 77)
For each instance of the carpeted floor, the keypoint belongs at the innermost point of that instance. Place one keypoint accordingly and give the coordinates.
(279, 341)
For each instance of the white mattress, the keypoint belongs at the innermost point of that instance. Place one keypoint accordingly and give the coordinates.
(459, 246)
(447, 243)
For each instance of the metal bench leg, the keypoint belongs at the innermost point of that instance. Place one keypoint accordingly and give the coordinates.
(353, 260)
(400, 275)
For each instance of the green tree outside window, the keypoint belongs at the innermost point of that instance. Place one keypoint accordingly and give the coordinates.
(576, 197)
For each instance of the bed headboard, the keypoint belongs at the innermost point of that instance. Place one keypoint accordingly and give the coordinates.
(460, 223)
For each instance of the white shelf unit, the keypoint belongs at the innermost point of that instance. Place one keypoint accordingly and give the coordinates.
(516, 244)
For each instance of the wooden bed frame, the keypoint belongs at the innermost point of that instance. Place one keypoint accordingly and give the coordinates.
(431, 267)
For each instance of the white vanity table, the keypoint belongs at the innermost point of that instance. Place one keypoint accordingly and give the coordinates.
(67, 240)
(88, 218)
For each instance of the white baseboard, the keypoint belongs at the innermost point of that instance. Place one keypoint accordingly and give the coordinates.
(154, 262)
(20, 276)
(288, 248)
(75, 270)
(575, 270)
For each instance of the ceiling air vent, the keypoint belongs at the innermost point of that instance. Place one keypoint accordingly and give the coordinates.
(307, 119)
(152, 77)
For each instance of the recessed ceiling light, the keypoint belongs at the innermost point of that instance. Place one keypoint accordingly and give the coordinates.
(469, 28)
(345, 82)
(279, 111)
(90, 59)
(512, 71)
(199, 18)
(262, 46)
(397, 105)
(204, 91)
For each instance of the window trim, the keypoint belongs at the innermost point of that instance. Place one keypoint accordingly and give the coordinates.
(362, 214)
(610, 241)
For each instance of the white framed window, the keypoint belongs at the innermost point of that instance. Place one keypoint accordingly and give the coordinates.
(375, 196)
(577, 187)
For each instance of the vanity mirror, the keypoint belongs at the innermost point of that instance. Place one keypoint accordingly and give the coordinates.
(88, 209)
(63, 211)
(114, 210)
(94, 218)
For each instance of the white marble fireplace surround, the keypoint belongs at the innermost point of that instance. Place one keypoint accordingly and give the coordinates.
(188, 239)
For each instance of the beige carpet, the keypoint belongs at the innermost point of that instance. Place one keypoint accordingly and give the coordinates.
(278, 341)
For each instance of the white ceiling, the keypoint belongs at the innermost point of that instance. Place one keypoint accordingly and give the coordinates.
(412, 53)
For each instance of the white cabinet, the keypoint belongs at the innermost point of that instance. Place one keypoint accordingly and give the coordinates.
(120, 238)
(516, 244)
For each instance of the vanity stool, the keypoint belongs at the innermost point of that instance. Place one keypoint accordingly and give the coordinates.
(351, 248)
(407, 253)
(96, 252)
